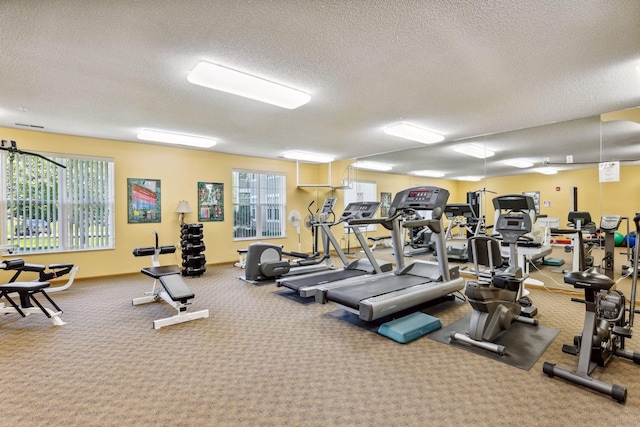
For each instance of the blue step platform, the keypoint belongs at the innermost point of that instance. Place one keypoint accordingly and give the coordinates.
(410, 327)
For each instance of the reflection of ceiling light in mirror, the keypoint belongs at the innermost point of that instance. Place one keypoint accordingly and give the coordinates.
(414, 133)
(518, 163)
(176, 138)
(547, 170)
(429, 173)
(474, 151)
(238, 83)
(308, 157)
(374, 166)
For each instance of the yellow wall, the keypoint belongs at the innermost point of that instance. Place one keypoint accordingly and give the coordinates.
(619, 198)
(180, 169)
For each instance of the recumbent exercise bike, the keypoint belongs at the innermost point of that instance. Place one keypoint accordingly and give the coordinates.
(494, 297)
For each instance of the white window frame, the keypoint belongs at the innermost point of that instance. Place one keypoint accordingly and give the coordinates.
(361, 191)
(79, 217)
(267, 205)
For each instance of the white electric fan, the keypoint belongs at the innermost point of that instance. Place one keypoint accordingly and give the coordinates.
(294, 219)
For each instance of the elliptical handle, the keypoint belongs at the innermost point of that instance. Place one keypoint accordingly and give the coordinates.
(636, 220)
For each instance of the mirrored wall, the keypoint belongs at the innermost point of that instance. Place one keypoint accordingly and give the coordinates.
(582, 151)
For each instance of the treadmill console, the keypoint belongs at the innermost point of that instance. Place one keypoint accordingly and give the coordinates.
(421, 199)
(329, 204)
(459, 209)
(610, 223)
(514, 202)
(360, 210)
(513, 225)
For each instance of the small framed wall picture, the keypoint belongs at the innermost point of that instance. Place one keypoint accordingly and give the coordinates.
(210, 201)
(143, 200)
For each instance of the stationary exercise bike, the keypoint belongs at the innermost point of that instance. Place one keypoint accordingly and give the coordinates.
(494, 297)
(605, 328)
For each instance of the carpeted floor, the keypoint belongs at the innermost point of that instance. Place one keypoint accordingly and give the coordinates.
(264, 360)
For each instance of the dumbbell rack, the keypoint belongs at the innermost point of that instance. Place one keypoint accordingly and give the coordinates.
(193, 259)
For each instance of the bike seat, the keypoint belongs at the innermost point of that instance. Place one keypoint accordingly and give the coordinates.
(590, 278)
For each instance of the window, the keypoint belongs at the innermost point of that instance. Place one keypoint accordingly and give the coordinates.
(259, 203)
(361, 191)
(48, 208)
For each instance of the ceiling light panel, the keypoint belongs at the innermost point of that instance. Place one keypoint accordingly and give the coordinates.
(176, 138)
(469, 178)
(428, 173)
(308, 157)
(374, 166)
(238, 83)
(414, 133)
(518, 163)
(474, 151)
(547, 170)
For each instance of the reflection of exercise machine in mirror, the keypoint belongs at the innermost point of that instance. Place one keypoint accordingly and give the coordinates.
(605, 326)
(418, 238)
(582, 235)
(531, 246)
(465, 224)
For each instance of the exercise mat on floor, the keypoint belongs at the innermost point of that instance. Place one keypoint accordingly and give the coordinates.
(295, 296)
(524, 344)
(258, 282)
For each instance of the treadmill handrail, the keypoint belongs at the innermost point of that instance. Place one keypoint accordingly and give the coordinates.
(386, 222)
(433, 224)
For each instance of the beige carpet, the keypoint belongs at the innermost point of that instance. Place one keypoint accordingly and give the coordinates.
(265, 360)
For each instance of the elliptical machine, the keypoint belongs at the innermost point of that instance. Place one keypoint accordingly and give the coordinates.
(605, 328)
(264, 260)
(494, 297)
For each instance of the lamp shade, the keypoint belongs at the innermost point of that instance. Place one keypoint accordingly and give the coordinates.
(183, 207)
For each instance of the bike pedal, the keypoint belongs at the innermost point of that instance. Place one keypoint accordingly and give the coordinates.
(570, 349)
(622, 331)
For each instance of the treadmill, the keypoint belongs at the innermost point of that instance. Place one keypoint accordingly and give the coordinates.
(462, 216)
(376, 296)
(306, 284)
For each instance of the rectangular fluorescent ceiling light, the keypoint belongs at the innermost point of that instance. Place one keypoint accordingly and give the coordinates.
(474, 151)
(176, 138)
(547, 170)
(238, 83)
(374, 166)
(429, 173)
(414, 133)
(308, 157)
(469, 178)
(518, 163)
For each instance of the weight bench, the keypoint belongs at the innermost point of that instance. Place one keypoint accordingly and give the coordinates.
(242, 261)
(27, 293)
(55, 271)
(380, 240)
(174, 291)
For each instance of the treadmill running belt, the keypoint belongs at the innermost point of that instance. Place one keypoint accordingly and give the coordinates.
(350, 296)
(318, 279)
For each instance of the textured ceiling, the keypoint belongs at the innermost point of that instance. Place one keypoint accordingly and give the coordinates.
(461, 68)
